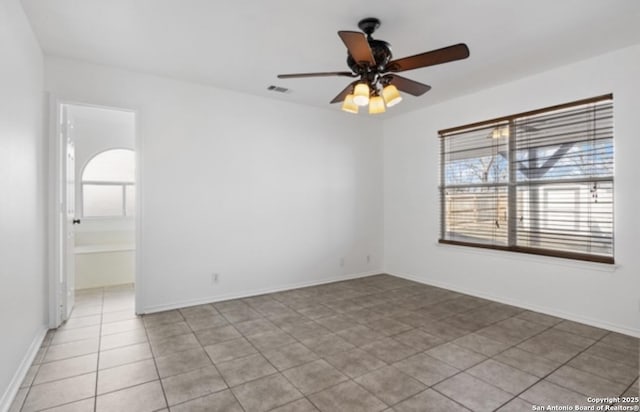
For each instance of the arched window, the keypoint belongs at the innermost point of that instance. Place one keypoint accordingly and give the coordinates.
(108, 184)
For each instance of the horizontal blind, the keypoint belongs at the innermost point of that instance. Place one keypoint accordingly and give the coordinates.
(539, 182)
(564, 163)
(474, 186)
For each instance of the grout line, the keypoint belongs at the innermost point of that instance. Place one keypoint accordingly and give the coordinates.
(164, 394)
(211, 360)
(95, 392)
(554, 370)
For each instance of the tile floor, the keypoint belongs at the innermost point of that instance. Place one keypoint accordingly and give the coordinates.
(378, 343)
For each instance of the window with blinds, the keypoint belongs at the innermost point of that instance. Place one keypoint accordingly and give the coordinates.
(538, 182)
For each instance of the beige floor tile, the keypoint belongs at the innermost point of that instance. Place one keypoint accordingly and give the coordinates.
(456, 356)
(418, 339)
(118, 316)
(60, 392)
(85, 405)
(301, 405)
(360, 335)
(118, 340)
(285, 357)
(517, 405)
(162, 318)
(355, 362)
(222, 401)
(271, 339)
(610, 370)
(147, 397)
(124, 376)
(193, 384)
(71, 335)
(619, 354)
(212, 336)
(122, 326)
(473, 393)
(245, 369)
(390, 385)
(426, 369)
(66, 368)
(255, 327)
(581, 329)
(503, 376)
(547, 393)
(306, 330)
(81, 322)
(164, 331)
(527, 362)
(124, 355)
(429, 401)
(314, 376)
(389, 350)
(206, 321)
(624, 341)
(585, 383)
(181, 362)
(71, 349)
(481, 344)
(174, 344)
(266, 393)
(229, 350)
(326, 345)
(347, 397)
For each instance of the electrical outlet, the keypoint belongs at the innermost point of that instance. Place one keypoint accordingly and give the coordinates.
(215, 277)
(341, 262)
(368, 258)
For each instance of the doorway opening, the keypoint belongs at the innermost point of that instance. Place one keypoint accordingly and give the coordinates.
(96, 192)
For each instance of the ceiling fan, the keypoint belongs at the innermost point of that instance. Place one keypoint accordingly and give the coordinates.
(370, 61)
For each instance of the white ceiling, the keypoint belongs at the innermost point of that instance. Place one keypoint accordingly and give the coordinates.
(243, 44)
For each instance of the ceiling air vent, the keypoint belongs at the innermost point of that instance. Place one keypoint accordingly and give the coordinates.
(278, 89)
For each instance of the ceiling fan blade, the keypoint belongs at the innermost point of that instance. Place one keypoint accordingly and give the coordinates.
(431, 58)
(340, 97)
(407, 85)
(358, 47)
(321, 74)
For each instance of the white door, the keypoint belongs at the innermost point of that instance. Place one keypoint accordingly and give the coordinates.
(68, 218)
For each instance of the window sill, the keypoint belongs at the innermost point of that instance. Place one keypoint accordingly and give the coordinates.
(531, 258)
(116, 247)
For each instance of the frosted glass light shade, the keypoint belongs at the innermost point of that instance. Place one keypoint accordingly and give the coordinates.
(348, 105)
(361, 94)
(391, 95)
(376, 105)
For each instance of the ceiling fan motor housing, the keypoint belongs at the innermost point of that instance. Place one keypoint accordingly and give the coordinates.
(381, 51)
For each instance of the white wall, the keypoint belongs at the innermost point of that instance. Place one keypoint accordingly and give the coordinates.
(23, 293)
(597, 294)
(266, 193)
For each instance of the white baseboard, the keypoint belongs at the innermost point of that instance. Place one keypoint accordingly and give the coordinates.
(257, 292)
(547, 311)
(14, 386)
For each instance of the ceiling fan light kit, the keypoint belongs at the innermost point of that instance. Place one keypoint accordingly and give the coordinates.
(361, 94)
(349, 106)
(370, 61)
(376, 105)
(391, 95)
